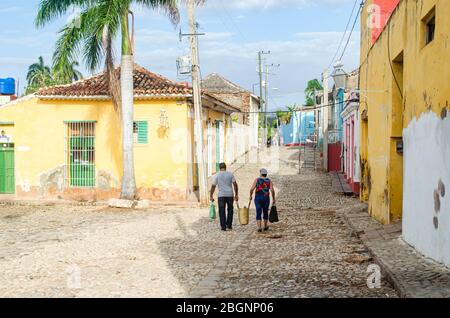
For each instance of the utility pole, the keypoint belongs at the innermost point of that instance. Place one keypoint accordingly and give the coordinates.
(266, 104)
(325, 111)
(263, 100)
(198, 110)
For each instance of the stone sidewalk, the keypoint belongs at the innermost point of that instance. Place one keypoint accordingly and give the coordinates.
(307, 254)
(412, 274)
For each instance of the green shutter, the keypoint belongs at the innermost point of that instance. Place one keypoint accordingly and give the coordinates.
(142, 132)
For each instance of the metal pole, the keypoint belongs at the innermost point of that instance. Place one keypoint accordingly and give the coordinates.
(261, 96)
(203, 191)
(325, 120)
(266, 102)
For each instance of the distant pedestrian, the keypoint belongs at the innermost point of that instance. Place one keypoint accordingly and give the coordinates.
(226, 182)
(4, 137)
(262, 187)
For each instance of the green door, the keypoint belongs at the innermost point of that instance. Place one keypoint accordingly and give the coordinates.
(7, 183)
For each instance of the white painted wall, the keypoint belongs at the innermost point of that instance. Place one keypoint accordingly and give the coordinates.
(357, 137)
(254, 123)
(238, 142)
(426, 161)
(296, 121)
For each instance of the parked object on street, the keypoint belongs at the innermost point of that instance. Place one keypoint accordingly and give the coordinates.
(244, 213)
(273, 216)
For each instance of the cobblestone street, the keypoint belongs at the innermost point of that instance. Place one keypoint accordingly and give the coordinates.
(175, 251)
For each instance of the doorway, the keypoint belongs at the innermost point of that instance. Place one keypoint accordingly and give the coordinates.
(220, 144)
(7, 174)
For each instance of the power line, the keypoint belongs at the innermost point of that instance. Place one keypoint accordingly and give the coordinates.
(353, 28)
(390, 60)
(303, 110)
(233, 23)
(343, 35)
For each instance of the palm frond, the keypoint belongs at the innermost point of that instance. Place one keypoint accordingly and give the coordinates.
(52, 9)
(168, 7)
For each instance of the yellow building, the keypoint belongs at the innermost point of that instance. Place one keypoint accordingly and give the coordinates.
(64, 142)
(405, 133)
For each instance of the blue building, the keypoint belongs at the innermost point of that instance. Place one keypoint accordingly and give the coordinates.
(300, 128)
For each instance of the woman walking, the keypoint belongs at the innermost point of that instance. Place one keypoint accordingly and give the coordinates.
(262, 187)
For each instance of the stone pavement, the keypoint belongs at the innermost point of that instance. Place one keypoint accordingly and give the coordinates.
(175, 251)
(412, 274)
(307, 254)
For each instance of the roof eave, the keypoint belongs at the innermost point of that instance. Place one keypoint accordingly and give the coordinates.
(106, 98)
(220, 105)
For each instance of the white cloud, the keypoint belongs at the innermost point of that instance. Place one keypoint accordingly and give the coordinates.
(269, 4)
(302, 57)
(10, 9)
(16, 61)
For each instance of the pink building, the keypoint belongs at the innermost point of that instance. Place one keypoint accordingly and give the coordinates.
(351, 144)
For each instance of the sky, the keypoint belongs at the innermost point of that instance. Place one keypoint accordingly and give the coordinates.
(302, 36)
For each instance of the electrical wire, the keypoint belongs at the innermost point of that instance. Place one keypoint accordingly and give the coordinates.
(304, 110)
(390, 60)
(233, 23)
(353, 28)
(343, 35)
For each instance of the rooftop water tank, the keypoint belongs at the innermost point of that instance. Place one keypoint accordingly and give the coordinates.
(7, 86)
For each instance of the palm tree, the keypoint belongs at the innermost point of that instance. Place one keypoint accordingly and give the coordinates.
(39, 75)
(310, 91)
(284, 116)
(65, 73)
(99, 23)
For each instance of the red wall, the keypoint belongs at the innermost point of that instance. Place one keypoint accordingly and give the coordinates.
(386, 9)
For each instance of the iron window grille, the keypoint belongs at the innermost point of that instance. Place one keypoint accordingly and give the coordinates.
(80, 155)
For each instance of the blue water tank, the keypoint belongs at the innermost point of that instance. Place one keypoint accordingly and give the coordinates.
(7, 86)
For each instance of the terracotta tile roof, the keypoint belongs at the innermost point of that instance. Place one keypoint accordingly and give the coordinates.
(215, 83)
(146, 83)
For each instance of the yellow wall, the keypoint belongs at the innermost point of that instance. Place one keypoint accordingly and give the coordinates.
(163, 163)
(212, 116)
(39, 135)
(424, 85)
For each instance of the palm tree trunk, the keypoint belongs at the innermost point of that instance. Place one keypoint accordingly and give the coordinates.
(126, 82)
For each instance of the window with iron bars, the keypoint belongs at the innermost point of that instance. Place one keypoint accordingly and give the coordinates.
(80, 154)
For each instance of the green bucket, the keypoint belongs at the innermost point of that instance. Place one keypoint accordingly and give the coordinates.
(212, 211)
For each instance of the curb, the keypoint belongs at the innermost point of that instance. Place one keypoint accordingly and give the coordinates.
(390, 277)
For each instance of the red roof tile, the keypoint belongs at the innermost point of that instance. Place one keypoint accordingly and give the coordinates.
(145, 83)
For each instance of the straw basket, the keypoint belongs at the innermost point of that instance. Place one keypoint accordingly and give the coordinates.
(244, 214)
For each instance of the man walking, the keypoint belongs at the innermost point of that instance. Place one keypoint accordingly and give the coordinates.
(226, 182)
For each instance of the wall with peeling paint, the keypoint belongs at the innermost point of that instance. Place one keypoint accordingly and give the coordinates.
(381, 184)
(39, 133)
(405, 98)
